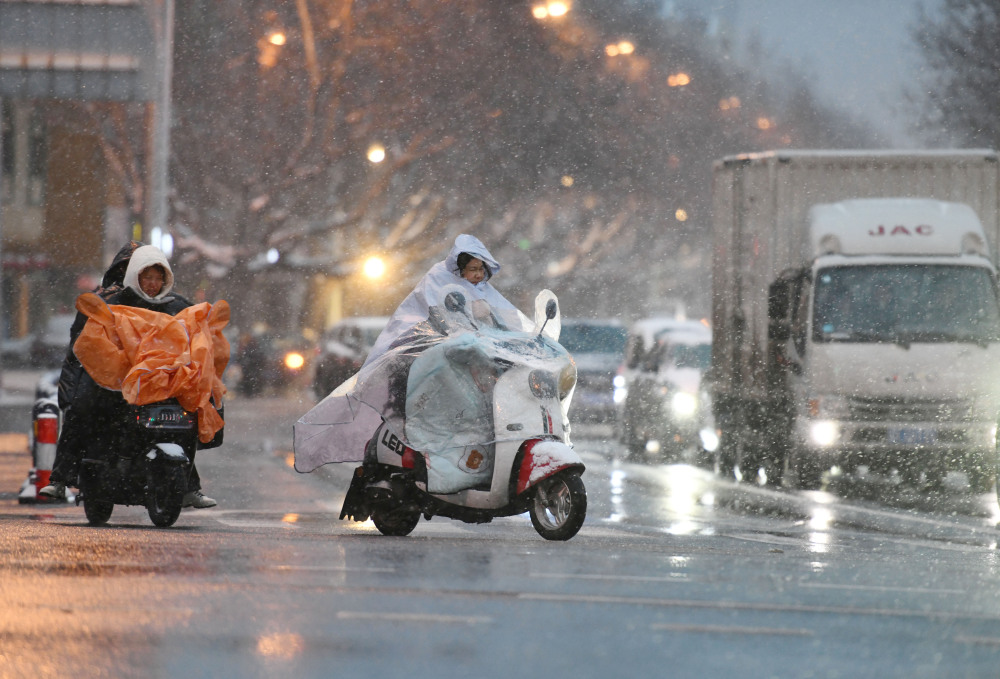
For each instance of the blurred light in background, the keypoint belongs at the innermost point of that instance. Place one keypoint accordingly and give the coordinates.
(373, 268)
(161, 240)
(551, 9)
(376, 153)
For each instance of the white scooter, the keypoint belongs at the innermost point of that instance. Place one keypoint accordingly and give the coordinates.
(528, 466)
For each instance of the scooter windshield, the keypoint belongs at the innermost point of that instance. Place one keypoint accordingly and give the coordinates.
(433, 386)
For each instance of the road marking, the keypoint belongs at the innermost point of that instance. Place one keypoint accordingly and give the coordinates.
(982, 641)
(415, 617)
(679, 577)
(332, 569)
(879, 588)
(751, 606)
(723, 629)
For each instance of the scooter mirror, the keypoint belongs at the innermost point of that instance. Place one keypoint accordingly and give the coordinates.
(551, 309)
(454, 301)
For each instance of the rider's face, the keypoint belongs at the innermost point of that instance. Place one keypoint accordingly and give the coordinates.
(474, 271)
(151, 281)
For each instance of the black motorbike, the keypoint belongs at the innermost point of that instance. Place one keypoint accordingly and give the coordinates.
(150, 466)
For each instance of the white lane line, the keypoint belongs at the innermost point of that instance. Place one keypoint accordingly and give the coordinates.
(724, 629)
(879, 588)
(752, 606)
(981, 641)
(332, 569)
(415, 617)
(680, 577)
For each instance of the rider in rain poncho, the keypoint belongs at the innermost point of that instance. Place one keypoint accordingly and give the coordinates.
(337, 429)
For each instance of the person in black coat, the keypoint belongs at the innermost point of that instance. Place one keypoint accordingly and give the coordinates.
(92, 414)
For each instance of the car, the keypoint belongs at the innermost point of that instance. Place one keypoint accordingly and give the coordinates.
(48, 348)
(272, 362)
(598, 348)
(343, 350)
(665, 407)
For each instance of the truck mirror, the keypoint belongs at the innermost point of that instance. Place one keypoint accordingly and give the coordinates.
(779, 330)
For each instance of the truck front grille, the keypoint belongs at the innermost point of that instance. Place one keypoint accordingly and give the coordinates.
(863, 409)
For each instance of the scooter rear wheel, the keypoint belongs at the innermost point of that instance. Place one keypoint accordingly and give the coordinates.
(98, 512)
(559, 507)
(397, 523)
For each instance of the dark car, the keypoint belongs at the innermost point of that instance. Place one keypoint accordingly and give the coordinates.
(270, 362)
(48, 348)
(598, 347)
(343, 349)
(665, 408)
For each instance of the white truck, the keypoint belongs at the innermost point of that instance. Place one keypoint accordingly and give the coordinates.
(855, 314)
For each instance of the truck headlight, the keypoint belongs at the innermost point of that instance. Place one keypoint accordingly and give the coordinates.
(824, 433)
(684, 405)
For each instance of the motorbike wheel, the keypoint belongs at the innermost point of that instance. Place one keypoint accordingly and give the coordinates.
(98, 512)
(559, 507)
(164, 499)
(395, 523)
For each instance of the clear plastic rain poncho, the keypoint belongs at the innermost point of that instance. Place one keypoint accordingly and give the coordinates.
(433, 386)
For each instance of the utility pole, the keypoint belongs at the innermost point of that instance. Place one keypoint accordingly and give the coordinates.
(159, 183)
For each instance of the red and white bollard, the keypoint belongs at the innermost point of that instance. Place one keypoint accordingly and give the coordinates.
(45, 436)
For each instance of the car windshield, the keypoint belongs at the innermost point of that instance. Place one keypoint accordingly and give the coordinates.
(692, 356)
(369, 335)
(905, 303)
(592, 339)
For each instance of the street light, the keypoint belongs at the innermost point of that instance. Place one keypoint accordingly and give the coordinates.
(550, 10)
(376, 153)
(621, 48)
(373, 268)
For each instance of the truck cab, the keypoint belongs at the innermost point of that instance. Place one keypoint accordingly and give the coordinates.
(885, 347)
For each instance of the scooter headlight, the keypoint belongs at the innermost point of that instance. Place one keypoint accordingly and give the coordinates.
(567, 380)
(542, 384)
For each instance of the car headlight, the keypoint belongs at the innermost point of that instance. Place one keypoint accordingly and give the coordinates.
(684, 405)
(294, 360)
(824, 433)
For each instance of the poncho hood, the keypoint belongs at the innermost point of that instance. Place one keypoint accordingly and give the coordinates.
(475, 247)
(143, 258)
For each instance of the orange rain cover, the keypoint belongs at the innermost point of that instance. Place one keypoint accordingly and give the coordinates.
(151, 356)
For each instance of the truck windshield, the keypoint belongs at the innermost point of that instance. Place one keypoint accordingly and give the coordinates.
(905, 303)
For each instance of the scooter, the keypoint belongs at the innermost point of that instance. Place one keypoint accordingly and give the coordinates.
(150, 467)
(534, 469)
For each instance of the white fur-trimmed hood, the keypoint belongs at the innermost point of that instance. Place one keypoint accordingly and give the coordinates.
(143, 258)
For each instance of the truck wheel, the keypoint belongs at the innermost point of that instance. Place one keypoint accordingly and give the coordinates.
(727, 455)
(981, 479)
(805, 474)
(559, 506)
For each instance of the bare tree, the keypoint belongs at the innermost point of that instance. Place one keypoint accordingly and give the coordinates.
(961, 91)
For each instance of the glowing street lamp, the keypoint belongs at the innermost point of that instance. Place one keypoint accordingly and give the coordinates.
(373, 268)
(678, 79)
(376, 153)
(550, 10)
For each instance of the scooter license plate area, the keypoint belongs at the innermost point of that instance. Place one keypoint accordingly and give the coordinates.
(166, 417)
(911, 436)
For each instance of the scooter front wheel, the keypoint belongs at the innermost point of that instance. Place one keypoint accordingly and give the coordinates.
(98, 511)
(559, 507)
